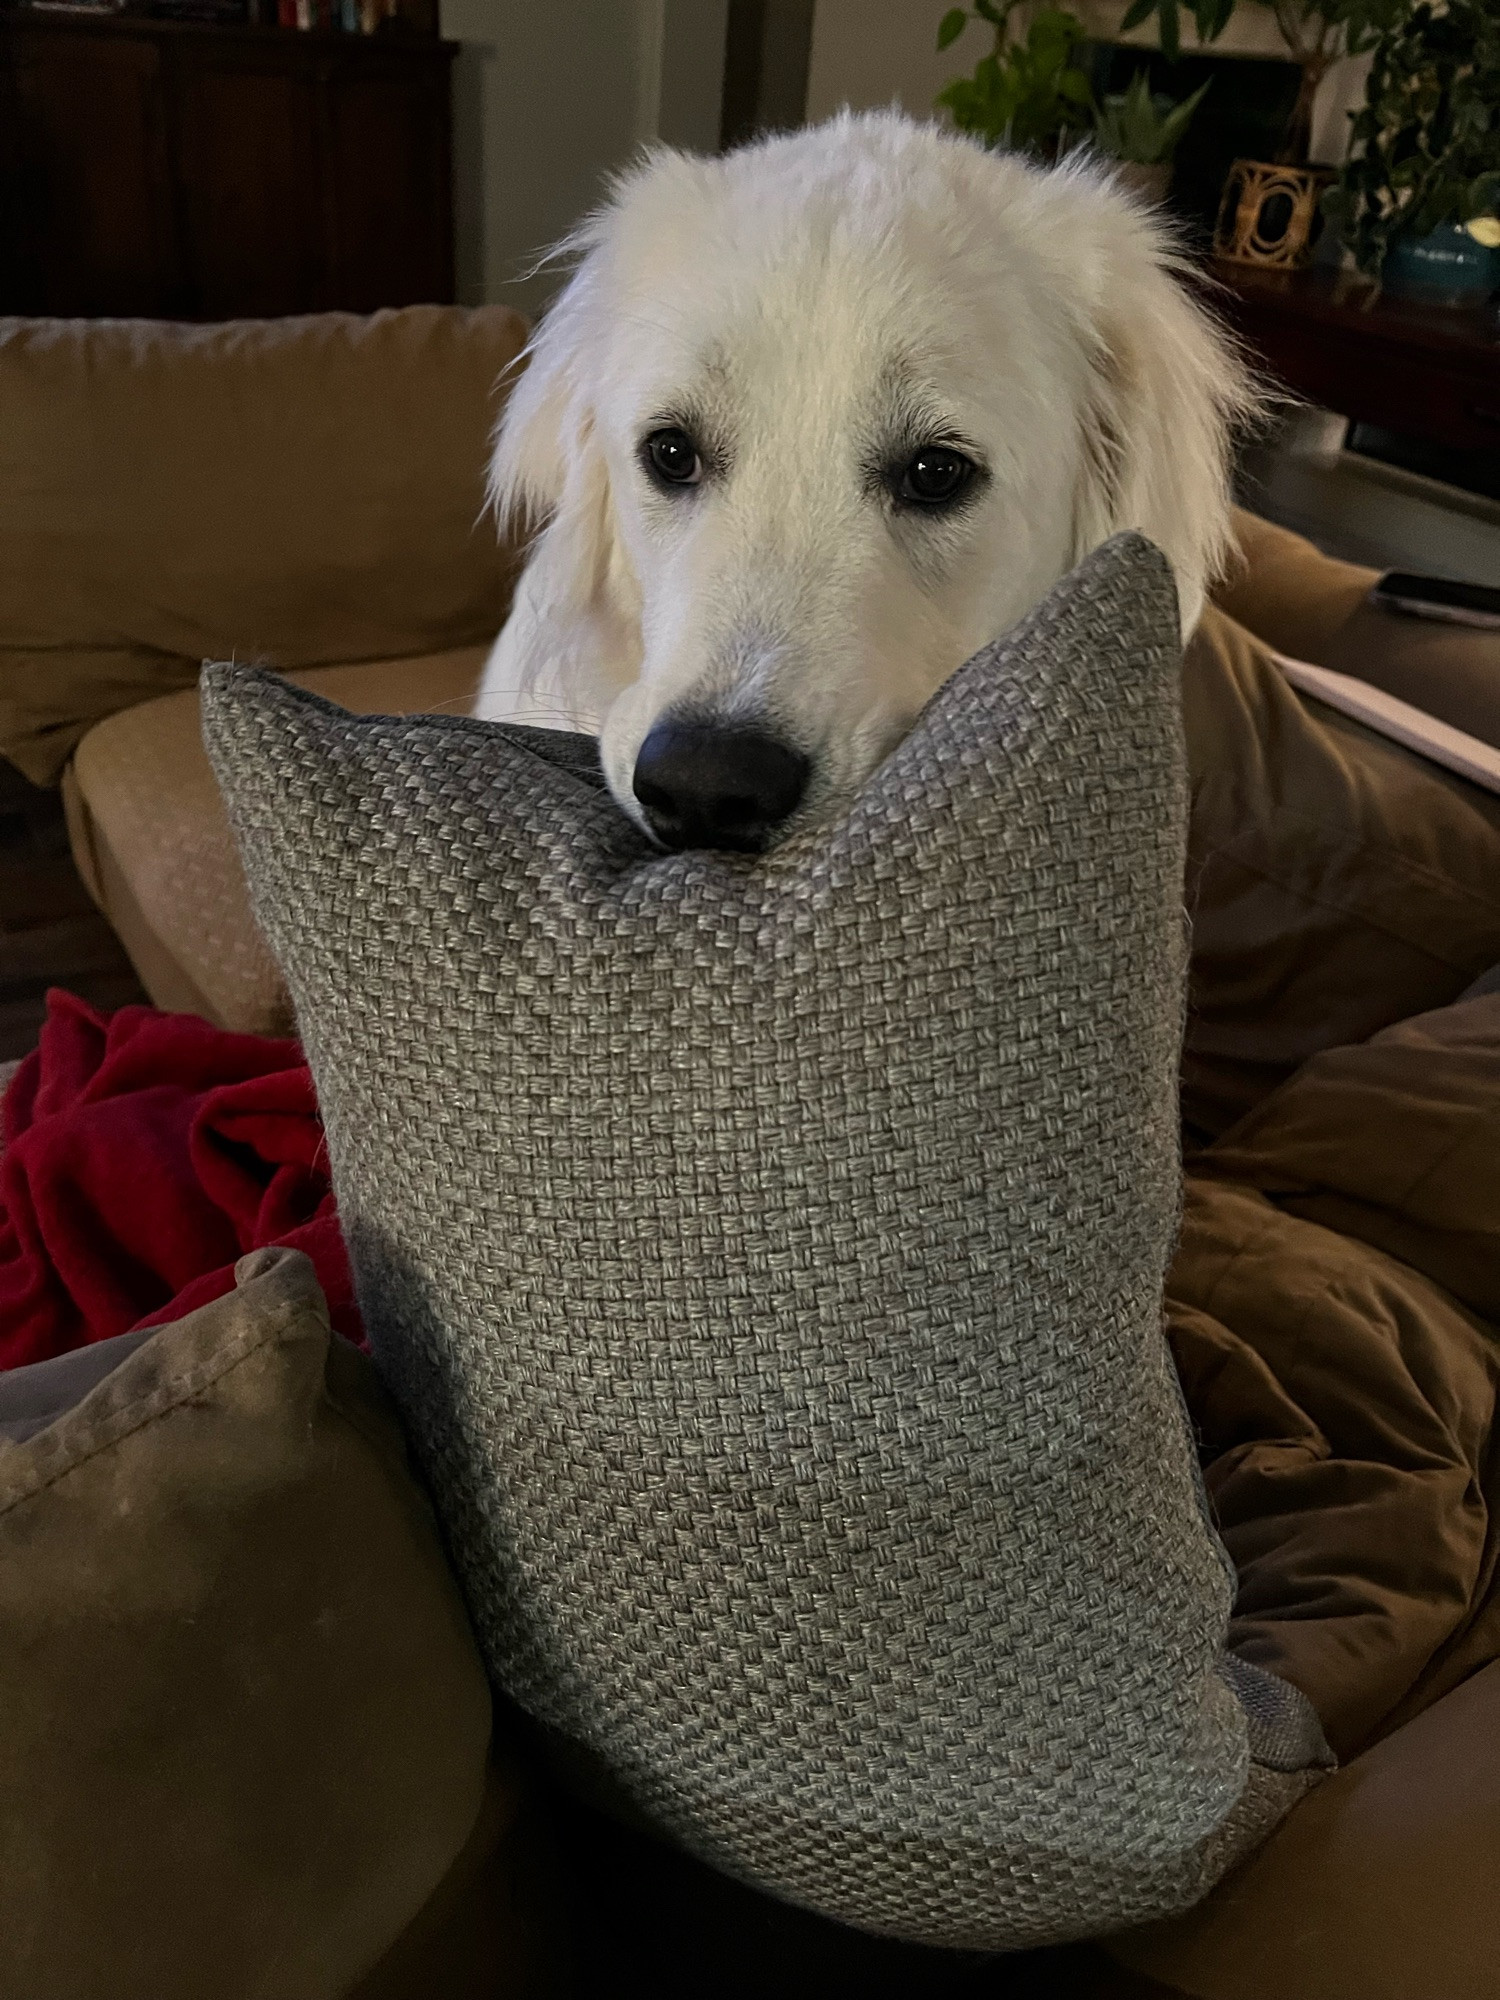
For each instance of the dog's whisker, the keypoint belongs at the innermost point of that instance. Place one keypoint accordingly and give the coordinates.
(458, 705)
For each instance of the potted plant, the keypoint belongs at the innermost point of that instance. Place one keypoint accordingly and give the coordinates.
(1418, 200)
(1141, 132)
(1317, 34)
(1034, 94)
(1030, 94)
(1270, 207)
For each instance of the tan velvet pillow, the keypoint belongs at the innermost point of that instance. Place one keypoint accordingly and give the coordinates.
(244, 1722)
(151, 841)
(1337, 883)
(301, 491)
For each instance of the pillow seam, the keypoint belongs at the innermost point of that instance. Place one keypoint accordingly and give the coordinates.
(139, 1416)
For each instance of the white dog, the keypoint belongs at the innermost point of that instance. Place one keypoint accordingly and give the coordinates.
(813, 422)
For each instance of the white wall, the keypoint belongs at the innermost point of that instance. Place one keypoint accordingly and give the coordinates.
(869, 53)
(690, 88)
(548, 101)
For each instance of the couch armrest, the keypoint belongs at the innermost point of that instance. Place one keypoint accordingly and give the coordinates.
(151, 841)
(1449, 671)
(1287, 592)
(1310, 607)
(1381, 1885)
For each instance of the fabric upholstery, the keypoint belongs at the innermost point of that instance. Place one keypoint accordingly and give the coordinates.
(1287, 592)
(1381, 1886)
(1334, 1308)
(1337, 883)
(1311, 606)
(149, 832)
(1450, 671)
(303, 492)
(767, 1257)
(31, 1398)
(245, 1722)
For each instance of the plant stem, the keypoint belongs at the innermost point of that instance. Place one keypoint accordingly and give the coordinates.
(1296, 147)
(1290, 19)
(1315, 53)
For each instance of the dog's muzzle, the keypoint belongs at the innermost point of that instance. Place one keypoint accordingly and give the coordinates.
(702, 786)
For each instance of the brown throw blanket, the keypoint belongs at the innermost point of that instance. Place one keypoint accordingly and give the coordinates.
(1335, 1314)
(1335, 1303)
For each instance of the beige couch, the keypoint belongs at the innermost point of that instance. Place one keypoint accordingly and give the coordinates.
(307, 492)
(312, 491)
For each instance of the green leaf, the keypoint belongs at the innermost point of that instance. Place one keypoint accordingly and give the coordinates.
(1169, 29)
(1425, 144)
(1177, 120)
(1052, 29)
(1028, 94)
(951, 27)
(1141, 127)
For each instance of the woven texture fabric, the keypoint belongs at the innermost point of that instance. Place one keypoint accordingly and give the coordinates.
(767, 1255)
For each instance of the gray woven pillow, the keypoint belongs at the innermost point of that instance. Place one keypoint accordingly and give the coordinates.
(767, 1255)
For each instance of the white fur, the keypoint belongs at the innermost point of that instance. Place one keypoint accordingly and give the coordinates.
(808, 302)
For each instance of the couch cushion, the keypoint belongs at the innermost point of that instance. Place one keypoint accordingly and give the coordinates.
(298, 491)
(245, 1724)
(768, 1257)
(151, 840)
(1380, 1887)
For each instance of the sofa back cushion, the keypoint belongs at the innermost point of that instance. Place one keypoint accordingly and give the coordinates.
(301, 491)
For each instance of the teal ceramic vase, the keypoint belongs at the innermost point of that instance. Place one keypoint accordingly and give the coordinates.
(1446, 266)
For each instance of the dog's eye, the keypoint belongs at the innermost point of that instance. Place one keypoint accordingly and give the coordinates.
(673, 457)
(934, 474)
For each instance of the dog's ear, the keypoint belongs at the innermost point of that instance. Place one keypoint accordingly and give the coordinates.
(1165, 391)
(573, 635)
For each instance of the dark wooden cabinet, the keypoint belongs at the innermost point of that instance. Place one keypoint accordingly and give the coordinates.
(1424, 371)
(188, 171)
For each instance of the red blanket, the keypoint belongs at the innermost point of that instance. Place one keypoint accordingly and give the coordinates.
(144, 1153)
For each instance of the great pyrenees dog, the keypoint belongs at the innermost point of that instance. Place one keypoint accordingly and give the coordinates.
(813, 422)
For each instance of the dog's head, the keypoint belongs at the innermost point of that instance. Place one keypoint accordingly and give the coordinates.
(813, 422)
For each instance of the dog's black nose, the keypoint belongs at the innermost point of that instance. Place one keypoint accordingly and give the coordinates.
(702, 786)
